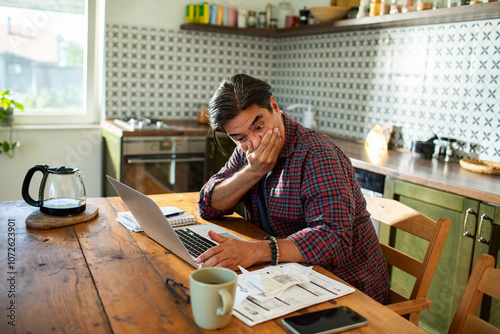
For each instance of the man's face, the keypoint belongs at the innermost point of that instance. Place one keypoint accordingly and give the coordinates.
(251, 124)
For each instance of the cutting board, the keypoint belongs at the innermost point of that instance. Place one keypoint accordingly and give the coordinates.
(42, 221)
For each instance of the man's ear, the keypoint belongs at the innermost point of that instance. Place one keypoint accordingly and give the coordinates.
(274, 105)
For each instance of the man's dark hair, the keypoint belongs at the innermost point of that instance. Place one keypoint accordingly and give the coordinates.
(235, 94)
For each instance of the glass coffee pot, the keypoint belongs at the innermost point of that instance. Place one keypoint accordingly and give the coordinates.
(61, 192)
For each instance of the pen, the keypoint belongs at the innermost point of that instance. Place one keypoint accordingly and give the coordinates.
(173, 214)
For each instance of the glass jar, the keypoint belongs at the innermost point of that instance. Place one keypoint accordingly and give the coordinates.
(375, 7)
(274, 23)
(262, 20)
(409, 6)
(242, 18)
(251, 19)
(439, 4)
(394, 9)
(284, 9)
(364, 9)
(385, 6)
(454, 3)
(424, 5)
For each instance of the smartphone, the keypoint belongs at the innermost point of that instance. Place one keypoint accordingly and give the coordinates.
(332, 320)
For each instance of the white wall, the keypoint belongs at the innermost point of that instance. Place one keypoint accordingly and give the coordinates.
(171, 13)
(79, 148)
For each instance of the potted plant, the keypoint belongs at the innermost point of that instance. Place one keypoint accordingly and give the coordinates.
(7, 105)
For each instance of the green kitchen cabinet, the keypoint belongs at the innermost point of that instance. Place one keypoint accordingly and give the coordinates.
(112, 160)
(465, 242)
(214, 158)
(487, 240)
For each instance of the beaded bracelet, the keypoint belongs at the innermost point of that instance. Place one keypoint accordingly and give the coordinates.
(275, 251)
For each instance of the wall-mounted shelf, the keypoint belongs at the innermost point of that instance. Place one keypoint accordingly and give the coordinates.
(477, 12)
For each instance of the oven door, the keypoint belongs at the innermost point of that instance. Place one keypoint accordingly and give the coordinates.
(167, 173)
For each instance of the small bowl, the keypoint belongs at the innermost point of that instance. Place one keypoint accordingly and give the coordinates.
(326, 14)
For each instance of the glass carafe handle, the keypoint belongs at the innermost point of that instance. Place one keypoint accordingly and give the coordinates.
(26, 184)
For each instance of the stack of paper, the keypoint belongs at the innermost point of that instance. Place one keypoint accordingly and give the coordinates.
(274, 291)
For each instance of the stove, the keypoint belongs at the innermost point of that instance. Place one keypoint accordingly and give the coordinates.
(157, 155)
(132, 124)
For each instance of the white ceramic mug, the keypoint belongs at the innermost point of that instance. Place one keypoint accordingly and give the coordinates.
(212, 296)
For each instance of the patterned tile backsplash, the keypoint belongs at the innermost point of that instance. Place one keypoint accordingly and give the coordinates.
(437, 79)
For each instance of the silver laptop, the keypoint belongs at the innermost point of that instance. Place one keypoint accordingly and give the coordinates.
(152, 220)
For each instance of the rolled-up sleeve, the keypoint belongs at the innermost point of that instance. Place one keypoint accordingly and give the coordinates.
(234, 164)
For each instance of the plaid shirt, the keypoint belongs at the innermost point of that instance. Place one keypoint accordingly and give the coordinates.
(314, 199)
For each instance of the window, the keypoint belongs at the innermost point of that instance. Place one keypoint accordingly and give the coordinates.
(47, 57)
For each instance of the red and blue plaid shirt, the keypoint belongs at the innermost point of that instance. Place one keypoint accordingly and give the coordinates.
(314, 199)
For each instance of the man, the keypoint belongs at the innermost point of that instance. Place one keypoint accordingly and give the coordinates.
(296, 184)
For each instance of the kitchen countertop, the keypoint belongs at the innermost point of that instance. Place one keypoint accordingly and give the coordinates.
(176, 127)
(400, 164)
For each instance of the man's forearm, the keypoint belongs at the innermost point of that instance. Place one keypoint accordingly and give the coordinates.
(229, 192)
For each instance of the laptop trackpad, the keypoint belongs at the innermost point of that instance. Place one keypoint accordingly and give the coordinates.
(229, 235)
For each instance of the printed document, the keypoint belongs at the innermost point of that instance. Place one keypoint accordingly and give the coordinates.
(274, 291)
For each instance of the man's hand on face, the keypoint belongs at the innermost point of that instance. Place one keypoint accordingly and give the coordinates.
(264, 158)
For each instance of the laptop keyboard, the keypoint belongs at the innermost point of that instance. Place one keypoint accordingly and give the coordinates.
(195, 243)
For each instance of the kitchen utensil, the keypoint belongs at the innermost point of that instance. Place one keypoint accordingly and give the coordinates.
(446, 149)
(309, 118)
(203, 115)
(303, 16)
(423, 149)
(61, 192)
(328, 13)
(396, 138)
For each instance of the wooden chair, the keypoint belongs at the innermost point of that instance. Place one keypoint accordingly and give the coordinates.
(402, 217)
(483, 280)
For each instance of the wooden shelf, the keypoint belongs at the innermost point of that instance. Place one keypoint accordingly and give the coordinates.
(477, 12)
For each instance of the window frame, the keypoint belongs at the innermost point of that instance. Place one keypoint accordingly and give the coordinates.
(94, 73)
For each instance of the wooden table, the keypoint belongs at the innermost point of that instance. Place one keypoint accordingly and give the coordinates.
(98, 277)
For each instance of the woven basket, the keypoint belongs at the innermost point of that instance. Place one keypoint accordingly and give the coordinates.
(481, 166)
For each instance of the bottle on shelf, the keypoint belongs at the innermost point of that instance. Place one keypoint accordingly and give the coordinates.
(269, 15)
(424, 5)
(251, 19)
(394, 8)
(438, 4)
(242, 18)
(262, 20)
(454, 3)
(375, 6)
(408, 6)
(385, 6)
(303, 16)
(364, 8)
(284, 10)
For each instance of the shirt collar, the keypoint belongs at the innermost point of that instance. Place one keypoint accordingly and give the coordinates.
(290, 130)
